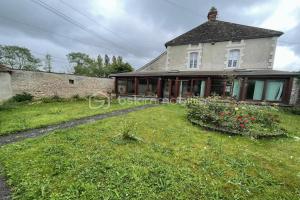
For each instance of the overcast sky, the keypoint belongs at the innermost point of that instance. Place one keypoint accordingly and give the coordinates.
(136, 29)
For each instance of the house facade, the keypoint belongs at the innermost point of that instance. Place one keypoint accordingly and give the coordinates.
(215, 58)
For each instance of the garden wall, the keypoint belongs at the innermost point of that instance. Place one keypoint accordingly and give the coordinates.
(43, 84)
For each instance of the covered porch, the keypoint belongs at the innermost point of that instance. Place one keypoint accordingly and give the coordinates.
(171, 86)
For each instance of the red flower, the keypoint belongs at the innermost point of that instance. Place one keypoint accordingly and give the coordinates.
(240, 117)
(242, 125)
(252, 118)
(246, 121)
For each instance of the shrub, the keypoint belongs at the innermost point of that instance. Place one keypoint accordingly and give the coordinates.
(294, 110)
(22, 97)
(54, 98)
(234, 118)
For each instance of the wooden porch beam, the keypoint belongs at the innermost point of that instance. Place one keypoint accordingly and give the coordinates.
(177, 87)
(136, 86)
(244, 89)
(170, 88)
(288, 90)
(159, 88)
(116, 86)
(207, 87)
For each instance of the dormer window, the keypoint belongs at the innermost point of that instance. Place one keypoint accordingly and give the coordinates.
(233, 59)
(193, 63)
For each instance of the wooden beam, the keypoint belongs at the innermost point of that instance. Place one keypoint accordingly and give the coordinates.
(116, 86)
(264, 90)
(224, 87)
(170, 88)
(177, 87)
(207, 87)
(136, 86)
(159, 88)
(244, 89)
(148, 88)
(288, 90)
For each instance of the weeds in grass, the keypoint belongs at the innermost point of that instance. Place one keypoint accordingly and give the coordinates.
(128, 131)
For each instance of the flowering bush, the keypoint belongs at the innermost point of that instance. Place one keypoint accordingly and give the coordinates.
(231, 117)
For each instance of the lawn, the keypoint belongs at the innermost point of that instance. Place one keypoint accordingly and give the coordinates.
(175, 160)
(21, 116)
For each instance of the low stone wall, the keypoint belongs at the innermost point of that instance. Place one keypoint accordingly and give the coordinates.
(42, 84)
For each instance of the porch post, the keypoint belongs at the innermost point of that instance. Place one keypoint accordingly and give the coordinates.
(288, 90)
(264, 90)
(170, 88)
(244, 89)
(224, 88)
(136, 86)
(177, 87)
(208, 87)
(148, 88)
(158, 89)
(116, 86)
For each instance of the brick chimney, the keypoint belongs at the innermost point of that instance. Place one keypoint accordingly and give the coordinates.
(212, 14)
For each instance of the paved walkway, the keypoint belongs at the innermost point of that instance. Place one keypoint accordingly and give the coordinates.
(6, 139)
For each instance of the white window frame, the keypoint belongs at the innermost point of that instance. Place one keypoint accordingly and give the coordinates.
(231, 45)
(193, 63)
(231, 59)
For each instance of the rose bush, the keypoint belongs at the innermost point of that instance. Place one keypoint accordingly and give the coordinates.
(232, 117)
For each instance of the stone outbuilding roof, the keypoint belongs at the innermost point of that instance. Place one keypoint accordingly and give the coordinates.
(219, 31)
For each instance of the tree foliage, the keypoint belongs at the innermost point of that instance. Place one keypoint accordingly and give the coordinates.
(18, 58)
(85, 65)
(48, 63)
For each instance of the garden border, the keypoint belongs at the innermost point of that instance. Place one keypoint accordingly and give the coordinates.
(233, 132)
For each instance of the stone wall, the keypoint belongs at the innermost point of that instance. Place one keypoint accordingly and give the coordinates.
(42, 84)
(5, 86)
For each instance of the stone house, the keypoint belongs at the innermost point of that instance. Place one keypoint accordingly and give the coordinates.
(215, 58)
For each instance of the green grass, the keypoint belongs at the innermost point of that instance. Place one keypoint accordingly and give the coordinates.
(175, 160)
(23, 116)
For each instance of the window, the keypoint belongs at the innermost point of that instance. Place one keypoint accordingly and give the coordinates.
(130, 86)
(233, 59)
(193, 60)
(274, 90)
(217, 87)
(71, 81)
(255, 90)
(122, 84)
(199, 88)
(152, 87)
(142, 87)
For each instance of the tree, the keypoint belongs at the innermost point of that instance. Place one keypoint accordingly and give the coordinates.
(18, 58)
(106, 61)
(48, 63)
(118, 66)
(114, 60)
(82, 63)
(85, 65)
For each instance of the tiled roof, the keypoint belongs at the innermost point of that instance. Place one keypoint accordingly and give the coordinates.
(219, 31)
